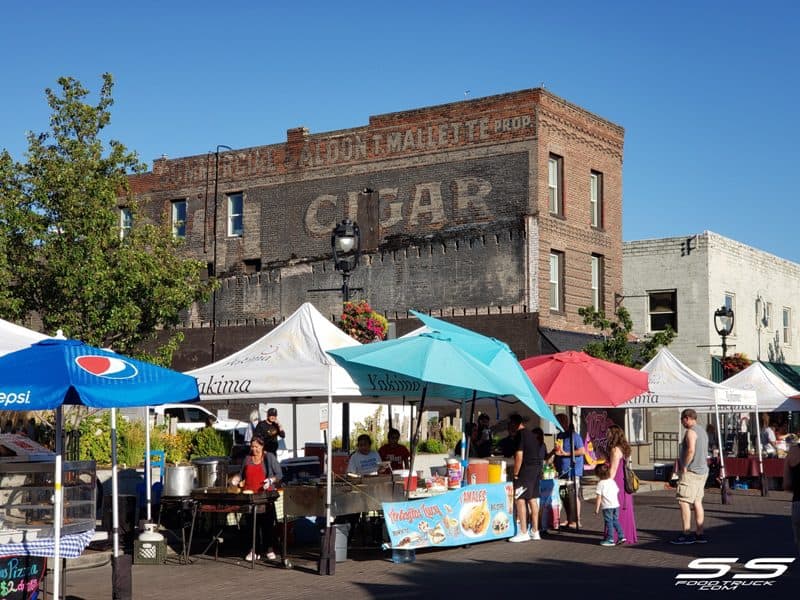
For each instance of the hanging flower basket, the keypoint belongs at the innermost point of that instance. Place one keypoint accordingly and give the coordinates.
(362, 323)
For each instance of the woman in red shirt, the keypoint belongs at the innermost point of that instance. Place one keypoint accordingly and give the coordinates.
(261, 471)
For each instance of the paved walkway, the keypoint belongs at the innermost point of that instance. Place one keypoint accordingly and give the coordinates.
(565, 562)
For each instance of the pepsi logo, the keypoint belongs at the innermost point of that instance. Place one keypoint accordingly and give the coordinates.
(107, 367)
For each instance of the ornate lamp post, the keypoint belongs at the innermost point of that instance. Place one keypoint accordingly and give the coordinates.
(723, 323)
(346, 246)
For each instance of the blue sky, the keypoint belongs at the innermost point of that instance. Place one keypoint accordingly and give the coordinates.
(706, 90)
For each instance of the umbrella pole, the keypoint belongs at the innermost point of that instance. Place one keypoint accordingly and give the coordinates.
(147, 469)
(415, 438)
(572, 467)
(114, 484)
(57, 505)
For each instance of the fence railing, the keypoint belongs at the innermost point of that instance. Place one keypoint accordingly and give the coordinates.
(665, 445)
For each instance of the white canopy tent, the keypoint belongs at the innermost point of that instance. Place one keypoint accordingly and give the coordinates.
(674, 385)
(772, 392)
(13, 337)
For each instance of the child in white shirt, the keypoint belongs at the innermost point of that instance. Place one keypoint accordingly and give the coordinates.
(608, 500)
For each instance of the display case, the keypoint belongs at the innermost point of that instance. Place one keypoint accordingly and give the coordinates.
(26, 499)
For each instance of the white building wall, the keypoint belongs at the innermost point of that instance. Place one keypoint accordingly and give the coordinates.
(703, 269)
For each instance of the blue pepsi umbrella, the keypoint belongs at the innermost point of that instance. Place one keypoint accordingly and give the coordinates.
(55, 372)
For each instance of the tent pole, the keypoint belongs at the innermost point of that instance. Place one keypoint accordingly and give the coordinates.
(723, 484)
(764, 490)
(294, 423)
(572, 465)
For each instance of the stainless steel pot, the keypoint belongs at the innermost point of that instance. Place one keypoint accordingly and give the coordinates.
(179, 480)
(212, 471)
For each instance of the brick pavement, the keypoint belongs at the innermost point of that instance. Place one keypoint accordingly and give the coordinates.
(565, 562)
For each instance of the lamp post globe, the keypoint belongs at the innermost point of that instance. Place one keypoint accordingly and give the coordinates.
(723, 323)
(346, 247)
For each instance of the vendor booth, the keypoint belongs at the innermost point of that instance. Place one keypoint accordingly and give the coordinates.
(674, 385)
(291, 365)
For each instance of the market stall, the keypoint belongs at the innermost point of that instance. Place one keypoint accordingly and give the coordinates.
(674, 385)
(291, 365)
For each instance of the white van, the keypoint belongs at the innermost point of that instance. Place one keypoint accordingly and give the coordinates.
(194, 417)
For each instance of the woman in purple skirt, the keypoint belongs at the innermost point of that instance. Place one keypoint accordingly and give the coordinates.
(619, 452)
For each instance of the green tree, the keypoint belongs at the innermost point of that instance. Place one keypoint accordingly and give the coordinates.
(616, 346)
(60, 216)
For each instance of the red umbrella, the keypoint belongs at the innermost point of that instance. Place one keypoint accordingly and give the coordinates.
(577, 379)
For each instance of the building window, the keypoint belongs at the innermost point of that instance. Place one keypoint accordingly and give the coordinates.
(179, 218)
(730, 302)
(598, 282)
(768, 316)
(663, 305)
(787, 325)
(235, 214)
(596, 199)
(555, 185)
(125, 222)
(556, 281)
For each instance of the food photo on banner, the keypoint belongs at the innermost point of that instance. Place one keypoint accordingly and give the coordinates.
(475, 513)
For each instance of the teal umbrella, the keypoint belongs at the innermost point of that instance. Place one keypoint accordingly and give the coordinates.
(499, 358)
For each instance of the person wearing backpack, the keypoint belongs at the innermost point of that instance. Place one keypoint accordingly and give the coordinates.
(619, 455)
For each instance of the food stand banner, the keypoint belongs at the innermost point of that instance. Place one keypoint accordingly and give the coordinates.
(475, 513)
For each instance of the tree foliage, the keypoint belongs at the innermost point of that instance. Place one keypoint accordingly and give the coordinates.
(62, 255)
(616, 345)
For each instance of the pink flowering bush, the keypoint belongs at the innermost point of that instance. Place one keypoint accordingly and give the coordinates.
(362, 323)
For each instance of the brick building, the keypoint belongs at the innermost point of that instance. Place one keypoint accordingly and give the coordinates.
(509, 205)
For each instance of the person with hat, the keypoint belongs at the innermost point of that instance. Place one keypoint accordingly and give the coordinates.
(271, 431)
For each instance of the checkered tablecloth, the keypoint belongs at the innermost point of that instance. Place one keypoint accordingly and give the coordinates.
(72, 546)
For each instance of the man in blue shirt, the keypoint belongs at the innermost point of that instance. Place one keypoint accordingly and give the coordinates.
(565, 441)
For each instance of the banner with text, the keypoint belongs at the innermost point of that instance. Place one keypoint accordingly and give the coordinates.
(475, 513)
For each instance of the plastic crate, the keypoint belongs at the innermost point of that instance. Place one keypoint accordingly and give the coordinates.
(149, 553)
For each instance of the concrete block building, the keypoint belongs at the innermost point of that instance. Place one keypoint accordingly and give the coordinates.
(683, 280)
(509, 206)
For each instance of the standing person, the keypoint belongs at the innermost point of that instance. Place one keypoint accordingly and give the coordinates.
(527, 473)
(693, 472)
(607, 492)
(619, 453)
(394, 452)
(768, 438)
(470, 434)
(565, 442)
(260, 471)
(271, 431)
(791, 483)
(483, 441)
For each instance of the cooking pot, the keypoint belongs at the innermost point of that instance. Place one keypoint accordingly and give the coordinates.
(212, 471)
(179, 480)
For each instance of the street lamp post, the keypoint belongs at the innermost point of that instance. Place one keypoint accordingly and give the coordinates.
(723, 323)
(216, 270)
(346, 246)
